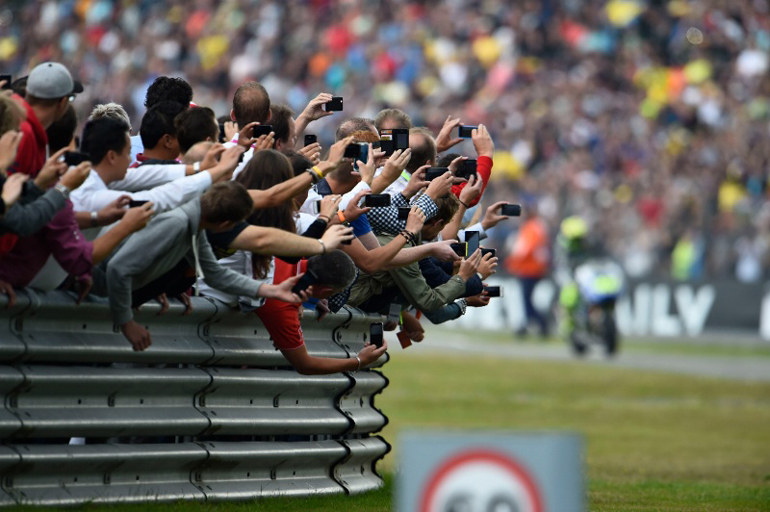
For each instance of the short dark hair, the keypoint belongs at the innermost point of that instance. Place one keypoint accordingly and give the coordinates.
(168, 88)
(279, 120)
(447, 207)
(354, 124)
(251, 103)
(62, 130)
(447, 159)
(401, 118)
(102, 135)
(334, 269)
(194, 125)
(422, 152)
(159, 121)
(227, 201)
(299, 162)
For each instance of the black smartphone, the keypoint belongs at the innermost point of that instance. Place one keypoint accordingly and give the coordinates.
(394, 139)
(377, 200)
(335, 105)
(261, 129)
(485, 251)
(434, 172)
(375, 334)
(310, 139)
(494, 291)
(511, 210)
(136, 203)
(460, 249)
(472, 239)
(304, 282)
(467, 169)
(222, 136)
(403, 212)
(357, 151)
(317, 207)
(72, 158)
(465, 131)
(8, 79)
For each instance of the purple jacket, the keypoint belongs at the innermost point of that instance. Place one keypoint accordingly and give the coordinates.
(61, 238)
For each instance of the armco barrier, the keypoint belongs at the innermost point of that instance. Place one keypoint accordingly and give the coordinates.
(211, 411)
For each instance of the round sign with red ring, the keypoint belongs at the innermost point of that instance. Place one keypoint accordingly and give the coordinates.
(481, 480)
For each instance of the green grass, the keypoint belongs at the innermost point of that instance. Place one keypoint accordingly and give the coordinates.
(654, 441)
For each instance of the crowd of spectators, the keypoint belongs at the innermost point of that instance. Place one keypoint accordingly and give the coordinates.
(644, 117)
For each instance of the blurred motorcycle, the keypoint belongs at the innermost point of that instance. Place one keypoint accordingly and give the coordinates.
(600, 282)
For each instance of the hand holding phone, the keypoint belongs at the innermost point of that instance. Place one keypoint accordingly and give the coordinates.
(472, 238)
(7, 79)
(435, 172)
(465, 131)
(304, 282)
(310, 139)
(403, 212)
(376, 334)
(75, 158)
(485, 251)
(493, 291)
(335, 105)
(461, 249)
(136, 203)
(377, 200)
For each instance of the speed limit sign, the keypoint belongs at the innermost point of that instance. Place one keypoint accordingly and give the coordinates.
(494, 473)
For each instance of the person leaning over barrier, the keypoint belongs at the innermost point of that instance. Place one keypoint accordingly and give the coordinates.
(334, 271)
(169, 238)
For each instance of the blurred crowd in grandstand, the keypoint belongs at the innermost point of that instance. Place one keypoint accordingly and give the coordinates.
(646, 118)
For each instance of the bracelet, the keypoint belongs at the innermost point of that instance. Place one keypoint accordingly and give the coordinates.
(197, 167)
(461, 202)
(313, 176)
(341, 215)
(359, 362)
(318, 171)
(323, 245)
(328, 220)
(94, 219)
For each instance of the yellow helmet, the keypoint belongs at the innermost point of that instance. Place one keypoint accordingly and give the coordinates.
(574, 227)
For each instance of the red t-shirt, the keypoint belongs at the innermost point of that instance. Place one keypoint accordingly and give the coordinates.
(484, 171)
(281, 318)
(33, 147)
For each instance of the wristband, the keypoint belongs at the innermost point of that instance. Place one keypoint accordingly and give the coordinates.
(359, 362)
(461, 202)
(341, 215)
(313, 175)
(196, 167)
(318, 171)
(94, 219)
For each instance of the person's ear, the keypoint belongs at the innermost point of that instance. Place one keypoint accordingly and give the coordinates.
(269, 116)
(232, 116)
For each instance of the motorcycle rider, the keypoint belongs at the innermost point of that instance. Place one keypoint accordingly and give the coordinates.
(571, 250)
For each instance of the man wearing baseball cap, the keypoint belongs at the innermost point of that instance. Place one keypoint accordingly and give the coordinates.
(50, 88)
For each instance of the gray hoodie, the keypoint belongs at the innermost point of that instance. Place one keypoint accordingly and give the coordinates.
(148, 254)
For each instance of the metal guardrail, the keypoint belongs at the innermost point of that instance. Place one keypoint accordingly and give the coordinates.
(214, 410)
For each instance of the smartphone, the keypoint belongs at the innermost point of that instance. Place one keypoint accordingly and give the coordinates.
(403, 212)
(317, 207)
(357, 151)
(222, 136)
(434, 172)
(8, 79)
(377, 200)
(393, 139)
(310, 139)
(73, 158)
(394, 313)
(465, 131)
(485, 251)
(375, 334)
(494, 291)
(511, 210)
(460, 249)
(335, 105)
(261, 129)
(472, 239)
(136, 203)
(304, 282)
(467, 169)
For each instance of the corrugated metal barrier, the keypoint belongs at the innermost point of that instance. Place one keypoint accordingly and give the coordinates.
(212, 411)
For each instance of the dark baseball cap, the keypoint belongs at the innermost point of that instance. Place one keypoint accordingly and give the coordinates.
(51, 80)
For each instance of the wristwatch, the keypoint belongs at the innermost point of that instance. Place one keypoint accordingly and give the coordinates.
(63, 189)
(463, 305)
(196, 167)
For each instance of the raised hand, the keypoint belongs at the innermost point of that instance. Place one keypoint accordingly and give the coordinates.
(52, 171)
(114, 211)
(482, 141)
(75, 176)
(491, 217)
(312, 152)
(9, 145)
(444, 138)
(415, 221)
(12, 188)
(335, 235)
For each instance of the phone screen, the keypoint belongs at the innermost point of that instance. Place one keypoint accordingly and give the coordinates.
(494, 291)
(261, 129)
(377, 200)
(465, 131)
(511, 210)
(460, 249)
(434, 172)
(472, 239)
(375, 334)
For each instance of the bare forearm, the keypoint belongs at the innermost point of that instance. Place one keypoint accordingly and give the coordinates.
(279, 194)
(107, 243)
(299, 125)
(410, 255)
(450, 231)
(276, 242)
